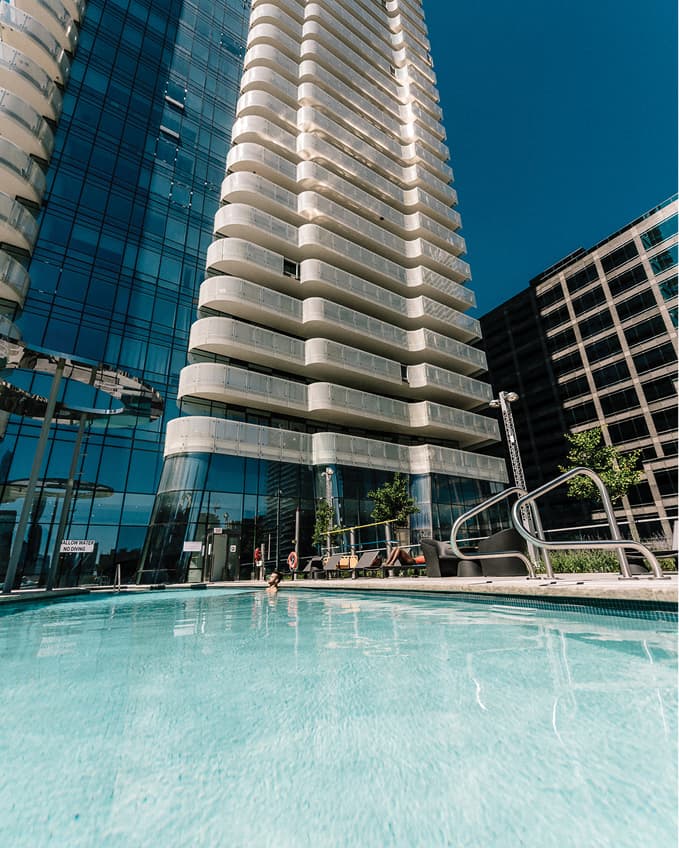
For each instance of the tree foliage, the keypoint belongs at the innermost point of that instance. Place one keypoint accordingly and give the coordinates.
(392, 501)
(324, 522)
(618, 471)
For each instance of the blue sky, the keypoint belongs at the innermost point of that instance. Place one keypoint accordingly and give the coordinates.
(561, 120)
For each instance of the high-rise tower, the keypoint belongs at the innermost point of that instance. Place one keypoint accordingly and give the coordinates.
(332, 328)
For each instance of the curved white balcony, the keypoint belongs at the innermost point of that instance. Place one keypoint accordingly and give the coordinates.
(421, 200)
(14, 279)
(328, 401)
(29, 81)
(408, 31)
(331, 360)
(410, 54)
(228, 337)
(53, 15)
(324, 49)
(265, 105)
(331, 320)
(343, 307)
(23, 32)
(444, 261)
(440, 384)
(267, 34)
(315, 357)
(261, 131)
(421, 92)
(312, 176)
(310, 71)
(318, 243)
(255, 190)
(269, 80)
(229, 384)
(417, 152)
(25, 127)
(447, 352)
(320, 45)
(284, 15)
(316, 208)
(420, 177)
(202, 434)
(241, 258)
(311, 120)
(358, 19)
(414, 132)
(240, 221)
(326, 280)
(252, 302)
(17, 226)
(356, 117)
(260, 160)
(267, 56)
(424, 281)
(424, 119)
(313, 148)
(20, 176)
(294, 8)
(352, 33)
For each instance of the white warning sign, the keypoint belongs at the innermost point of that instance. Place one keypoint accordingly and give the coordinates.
(77, 546)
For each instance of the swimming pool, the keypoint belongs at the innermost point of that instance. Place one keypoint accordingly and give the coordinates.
(231, 718)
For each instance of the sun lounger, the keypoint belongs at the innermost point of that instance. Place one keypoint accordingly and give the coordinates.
(369, 561)
(332, 564)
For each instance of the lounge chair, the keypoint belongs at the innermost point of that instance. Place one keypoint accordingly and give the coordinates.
(314, 568)
(332, 565)
(504, 541)
(369, 561)
(439, 558)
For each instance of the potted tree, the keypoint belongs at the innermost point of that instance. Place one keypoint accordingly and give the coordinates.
(394, 504)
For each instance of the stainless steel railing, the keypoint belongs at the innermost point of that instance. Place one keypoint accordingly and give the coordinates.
(616, 542)
(530, 563)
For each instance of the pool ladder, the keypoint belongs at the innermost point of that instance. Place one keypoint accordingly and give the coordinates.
(526, 521)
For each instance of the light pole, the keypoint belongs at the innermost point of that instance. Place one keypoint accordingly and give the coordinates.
(503, 401)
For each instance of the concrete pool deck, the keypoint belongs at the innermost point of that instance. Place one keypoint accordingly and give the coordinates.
(605, 587)
(591, 586)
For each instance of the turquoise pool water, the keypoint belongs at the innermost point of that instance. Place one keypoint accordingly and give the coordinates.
(226, 718)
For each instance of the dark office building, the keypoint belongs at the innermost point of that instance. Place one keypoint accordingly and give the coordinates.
(592, 342)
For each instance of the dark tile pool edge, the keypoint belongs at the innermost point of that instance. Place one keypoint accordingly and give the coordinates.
(626, 607)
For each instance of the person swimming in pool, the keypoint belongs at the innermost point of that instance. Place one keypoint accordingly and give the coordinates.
(273, 581)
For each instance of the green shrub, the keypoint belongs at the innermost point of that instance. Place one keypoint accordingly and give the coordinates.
(592, 561)
(595, 561)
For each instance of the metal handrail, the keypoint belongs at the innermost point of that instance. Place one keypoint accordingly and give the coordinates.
(616, 542)
(117, 580)
(470, 513)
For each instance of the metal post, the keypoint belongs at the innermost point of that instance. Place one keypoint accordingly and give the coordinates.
(297, 523)
(68, 494)
(328, 497)
(278, 531)
(528, 518)
(17, 547)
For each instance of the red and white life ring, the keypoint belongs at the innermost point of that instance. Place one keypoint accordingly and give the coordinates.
(292, 561)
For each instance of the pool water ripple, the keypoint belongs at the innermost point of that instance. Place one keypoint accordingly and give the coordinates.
(316, 719)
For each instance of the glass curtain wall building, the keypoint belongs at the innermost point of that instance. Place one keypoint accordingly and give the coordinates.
(115, 120)
(331, 332)
(593, 343)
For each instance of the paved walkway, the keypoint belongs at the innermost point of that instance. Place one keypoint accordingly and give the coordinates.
(606, 586)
